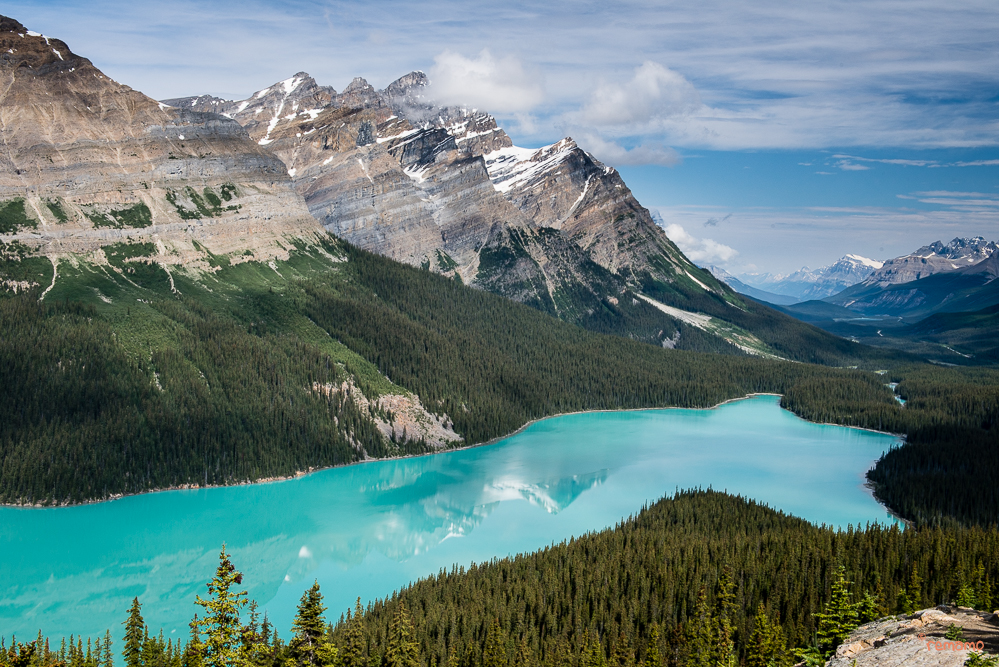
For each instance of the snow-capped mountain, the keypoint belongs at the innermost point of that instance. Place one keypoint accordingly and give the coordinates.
(756, 293)
(931, 259)
(445, 188)
(807, 284)
(959, 276)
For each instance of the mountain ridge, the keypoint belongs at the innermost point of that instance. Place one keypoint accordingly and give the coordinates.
(89, 162)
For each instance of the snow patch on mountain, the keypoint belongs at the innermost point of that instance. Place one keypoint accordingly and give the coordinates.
(514, 166)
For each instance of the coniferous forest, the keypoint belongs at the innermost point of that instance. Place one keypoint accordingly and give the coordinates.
(702, 578)
(213, 386)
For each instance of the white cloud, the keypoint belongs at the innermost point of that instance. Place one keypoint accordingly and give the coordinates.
(700, 251)
(846, 165)
(497, 85)
(904, 163)
(785, 239)
(653, 93)
(617, 155)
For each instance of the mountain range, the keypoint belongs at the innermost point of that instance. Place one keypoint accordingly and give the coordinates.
(201, 291)
(806, 284)
(938, 301)
(446, 189)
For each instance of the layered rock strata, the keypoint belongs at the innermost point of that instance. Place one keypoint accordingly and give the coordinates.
(93, 162)
(445, 188)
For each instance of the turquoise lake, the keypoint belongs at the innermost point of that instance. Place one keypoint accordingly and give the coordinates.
(366, 530)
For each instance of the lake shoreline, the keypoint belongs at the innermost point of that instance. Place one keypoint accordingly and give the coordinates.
(302, 473)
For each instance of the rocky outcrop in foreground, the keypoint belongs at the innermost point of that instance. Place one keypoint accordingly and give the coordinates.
(919, 640)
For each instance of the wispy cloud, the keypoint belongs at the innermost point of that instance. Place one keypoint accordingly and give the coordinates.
(965, 202)
(701, 251)
(617, 155)
(846, 165)
(771, 74)
(498, 85)
(931, 164)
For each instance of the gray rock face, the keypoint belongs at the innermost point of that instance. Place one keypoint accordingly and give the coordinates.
(918, 640)
(97, 162)
(446, 189)
(931, 259)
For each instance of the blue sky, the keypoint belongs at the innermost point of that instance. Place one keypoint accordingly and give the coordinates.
(803, 130)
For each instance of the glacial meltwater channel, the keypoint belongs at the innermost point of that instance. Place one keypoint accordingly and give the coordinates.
(366, 530)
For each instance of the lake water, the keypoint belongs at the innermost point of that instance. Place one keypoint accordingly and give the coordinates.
(366, 530)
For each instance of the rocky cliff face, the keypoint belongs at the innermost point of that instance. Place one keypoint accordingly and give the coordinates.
(92, 162)
(445, 188)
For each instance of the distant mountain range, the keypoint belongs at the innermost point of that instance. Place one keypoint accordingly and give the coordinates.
(806, 284)
(939, 301)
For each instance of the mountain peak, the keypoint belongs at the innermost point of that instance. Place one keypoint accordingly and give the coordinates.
(359, 84)
(403, 86)
(864, 261)
(8, 24)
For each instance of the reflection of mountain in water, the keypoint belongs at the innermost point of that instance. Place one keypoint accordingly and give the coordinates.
(554, 495)
(414, 520)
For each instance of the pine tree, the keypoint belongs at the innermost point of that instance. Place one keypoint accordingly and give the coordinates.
(309, 628)
(701, 635)
(108, 658)
(563, 656)
(135, 632)
(839, 617)
(911, 597)
(653, 658)
(222, 647)
(193, 655)
(402, 651)
(869, 609)
(494, 652)
(592, 653)
(525, 654)
(352, 654)
(622, 656)
(766, 646)
(725, 603)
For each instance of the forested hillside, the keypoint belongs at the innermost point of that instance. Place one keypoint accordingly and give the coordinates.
(125, 378)
(702, 578)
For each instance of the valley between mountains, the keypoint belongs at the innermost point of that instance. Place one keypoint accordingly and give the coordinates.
(200, 291)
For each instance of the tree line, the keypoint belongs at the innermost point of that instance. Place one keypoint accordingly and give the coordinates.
(698, 579)
(220, 389)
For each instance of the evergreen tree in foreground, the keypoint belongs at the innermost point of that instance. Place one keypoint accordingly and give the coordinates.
(222, 647)
(840, 615)
(403, 651)
(310, 647)
(135, 635)
(352, 654)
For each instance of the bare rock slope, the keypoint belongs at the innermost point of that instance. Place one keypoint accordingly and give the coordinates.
(920, 640)
(445, 188)
(92, 162)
